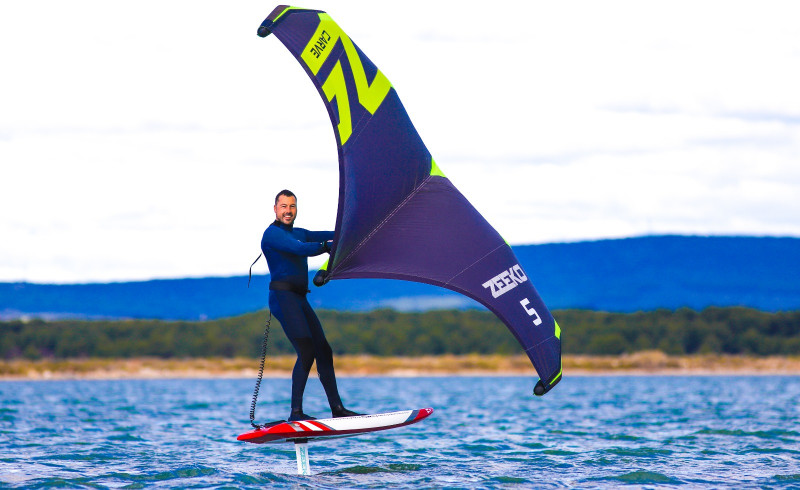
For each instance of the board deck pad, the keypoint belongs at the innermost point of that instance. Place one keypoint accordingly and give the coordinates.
(334, 427)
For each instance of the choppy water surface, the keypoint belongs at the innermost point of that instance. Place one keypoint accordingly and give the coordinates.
(589, 432)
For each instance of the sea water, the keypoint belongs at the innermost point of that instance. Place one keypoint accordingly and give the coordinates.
(486, 432)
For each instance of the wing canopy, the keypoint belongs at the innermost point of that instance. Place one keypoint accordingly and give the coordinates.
(399, 216)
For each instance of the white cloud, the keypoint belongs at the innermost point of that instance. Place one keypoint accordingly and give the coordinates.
(147, 140)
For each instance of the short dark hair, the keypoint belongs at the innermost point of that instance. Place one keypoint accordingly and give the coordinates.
(285, 192)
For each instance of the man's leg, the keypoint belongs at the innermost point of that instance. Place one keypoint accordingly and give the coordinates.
(324, 356)
(305, 358)
(287, 308)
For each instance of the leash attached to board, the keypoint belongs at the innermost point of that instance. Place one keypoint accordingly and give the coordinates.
(264, 347)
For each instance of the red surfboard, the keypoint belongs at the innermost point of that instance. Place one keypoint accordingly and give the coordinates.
(307, 430)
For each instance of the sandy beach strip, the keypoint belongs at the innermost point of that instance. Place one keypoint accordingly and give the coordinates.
(641, 363)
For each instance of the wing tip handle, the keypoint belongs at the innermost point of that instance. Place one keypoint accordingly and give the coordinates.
(541, 388)
(265, 29)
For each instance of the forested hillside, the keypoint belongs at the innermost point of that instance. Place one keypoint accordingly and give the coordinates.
(391, 333)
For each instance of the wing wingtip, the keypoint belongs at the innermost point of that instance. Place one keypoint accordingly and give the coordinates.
(541, 388)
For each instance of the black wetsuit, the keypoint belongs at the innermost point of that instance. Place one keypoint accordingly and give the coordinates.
(287, 250)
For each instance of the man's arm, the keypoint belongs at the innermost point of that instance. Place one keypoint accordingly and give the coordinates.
(279, 240)
(318, 236)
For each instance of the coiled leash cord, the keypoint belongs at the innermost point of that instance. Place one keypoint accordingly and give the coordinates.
(260, 376)
(264, 346)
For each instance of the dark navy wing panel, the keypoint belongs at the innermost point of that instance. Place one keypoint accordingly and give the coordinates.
(399, 217)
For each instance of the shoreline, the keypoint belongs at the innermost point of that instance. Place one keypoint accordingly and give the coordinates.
(637, 364)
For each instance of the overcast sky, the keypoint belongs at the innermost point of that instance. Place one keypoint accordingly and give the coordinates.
(147, 139)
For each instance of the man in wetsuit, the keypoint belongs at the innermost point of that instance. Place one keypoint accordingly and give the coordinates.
(287, 249)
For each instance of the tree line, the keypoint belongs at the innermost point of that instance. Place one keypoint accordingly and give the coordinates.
(392, 333)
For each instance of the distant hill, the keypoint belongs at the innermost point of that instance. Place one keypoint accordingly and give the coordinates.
(622, 275)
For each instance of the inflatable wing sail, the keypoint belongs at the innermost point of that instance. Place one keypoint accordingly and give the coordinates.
(399, 217)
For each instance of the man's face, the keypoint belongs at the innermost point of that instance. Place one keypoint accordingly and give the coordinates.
(286, 210)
